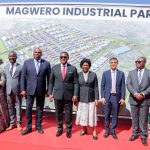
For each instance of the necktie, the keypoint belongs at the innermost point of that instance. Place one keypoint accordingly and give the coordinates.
(37, 66)
(11, 69)
(113, 89)
(63, 72)
(139, 75)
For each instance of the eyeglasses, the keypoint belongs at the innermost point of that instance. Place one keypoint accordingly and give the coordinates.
(138, 62)
(61, 57)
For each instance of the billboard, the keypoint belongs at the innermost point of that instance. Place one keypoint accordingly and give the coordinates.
(96, 31)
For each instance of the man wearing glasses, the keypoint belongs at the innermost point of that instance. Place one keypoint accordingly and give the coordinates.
(138, 84)
(63, 89)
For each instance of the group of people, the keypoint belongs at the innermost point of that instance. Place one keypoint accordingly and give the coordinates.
(66, 87)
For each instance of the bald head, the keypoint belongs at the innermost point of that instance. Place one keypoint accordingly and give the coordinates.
(12, 56)
(37, 53)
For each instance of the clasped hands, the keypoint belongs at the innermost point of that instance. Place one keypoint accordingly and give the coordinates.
(139, 96)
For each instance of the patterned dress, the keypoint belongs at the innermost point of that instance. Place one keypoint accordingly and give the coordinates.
(4, 118)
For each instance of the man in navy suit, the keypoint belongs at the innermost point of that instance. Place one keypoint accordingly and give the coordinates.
(113, 95)
(34, 77)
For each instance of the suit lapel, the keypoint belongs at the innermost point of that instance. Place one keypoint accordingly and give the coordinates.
(82, 77)
(109, 77)
(144, 75)
(41, 65)
(8, 69)
(33, 65)
(16, 70)
(67, 71)
(117, 76)
(136, 76)
(59, 72)
(89, 77)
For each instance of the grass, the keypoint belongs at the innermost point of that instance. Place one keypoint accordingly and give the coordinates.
(2, 47)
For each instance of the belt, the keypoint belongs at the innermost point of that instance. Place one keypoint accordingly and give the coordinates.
(113, 94)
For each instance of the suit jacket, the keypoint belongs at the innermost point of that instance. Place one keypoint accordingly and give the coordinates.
(63, 89)
(133, 87)
(106, 84)
(12, 82)
(33, 82)
(88, 91)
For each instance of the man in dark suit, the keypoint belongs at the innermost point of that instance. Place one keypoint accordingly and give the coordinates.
(113, 95)
(138, 84)
(63, 88)
(12, 74)
(34, 77)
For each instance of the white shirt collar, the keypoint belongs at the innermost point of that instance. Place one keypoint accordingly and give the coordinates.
(63, 65)
(112, 71)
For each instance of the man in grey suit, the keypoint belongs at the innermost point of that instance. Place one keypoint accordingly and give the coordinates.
(34, 84)
(138, 84)
(12, 73)
(63, 88)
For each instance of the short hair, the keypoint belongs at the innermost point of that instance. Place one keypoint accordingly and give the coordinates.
(38, 49)
(113, 58)
(65, 53)
(85, 60)
(12, 52)
(142, 57)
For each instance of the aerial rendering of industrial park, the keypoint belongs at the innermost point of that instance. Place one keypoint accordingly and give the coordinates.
(98, 40)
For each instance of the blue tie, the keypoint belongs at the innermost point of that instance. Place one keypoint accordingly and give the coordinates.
(37, 66)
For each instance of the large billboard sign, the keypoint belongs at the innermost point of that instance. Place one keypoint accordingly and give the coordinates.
(96, 31)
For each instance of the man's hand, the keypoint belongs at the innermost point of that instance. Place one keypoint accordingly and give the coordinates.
(23, 93)
(46, 94)
(103, 101)
(138, 96)
(75, 100)
(96, 103)
(122, 102)
(51, 98)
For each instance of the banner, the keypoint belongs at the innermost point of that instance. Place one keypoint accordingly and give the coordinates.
(95, 31)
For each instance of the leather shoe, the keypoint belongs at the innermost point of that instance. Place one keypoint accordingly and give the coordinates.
(26, 131)
(19, 128)
(133, 137)
(68, 134)
(40, 130)
(106, 134)
(59, 133)
(144, 141)
(114, 136)
(11, 127)
(95, 137)
(83, 132)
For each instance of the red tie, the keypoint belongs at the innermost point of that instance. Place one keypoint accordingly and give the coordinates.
(63, 72)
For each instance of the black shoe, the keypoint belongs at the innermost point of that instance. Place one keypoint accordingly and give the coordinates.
(106, 134)
(95, 137)
(114, 136)
(26, 131)
(59, 133)
(68, 134)
(144, 141)
(133, 137)
(83, 132)
(40, 130)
